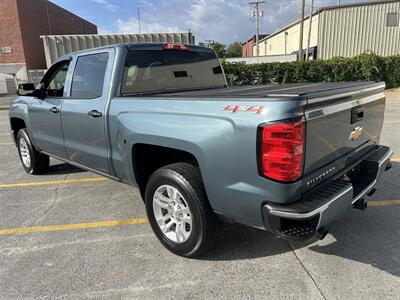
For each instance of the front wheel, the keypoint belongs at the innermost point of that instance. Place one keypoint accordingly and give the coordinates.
(179, 212)
(32, 161)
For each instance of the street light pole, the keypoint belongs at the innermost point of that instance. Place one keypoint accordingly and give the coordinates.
(257, 14)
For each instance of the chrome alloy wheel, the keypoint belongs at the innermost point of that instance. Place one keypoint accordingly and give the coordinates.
(172, 214)
(24, 151)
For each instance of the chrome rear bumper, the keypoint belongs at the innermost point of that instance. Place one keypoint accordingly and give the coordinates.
(307, 219)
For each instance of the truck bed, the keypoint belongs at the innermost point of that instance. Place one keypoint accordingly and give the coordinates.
(296, 90)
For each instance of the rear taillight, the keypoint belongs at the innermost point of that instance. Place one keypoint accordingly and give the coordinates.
(172, 46)
(281, 150)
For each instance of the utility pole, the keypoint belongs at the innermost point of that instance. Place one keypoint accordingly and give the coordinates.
(309, 27)
(257, 14)
(301, 31)
(138, 13)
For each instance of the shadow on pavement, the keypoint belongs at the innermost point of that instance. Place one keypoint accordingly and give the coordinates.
(241, 242)
(63, 168)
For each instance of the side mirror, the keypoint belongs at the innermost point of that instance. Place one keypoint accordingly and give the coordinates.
(25, 89)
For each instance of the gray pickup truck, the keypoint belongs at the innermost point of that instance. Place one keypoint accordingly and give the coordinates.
(284, 158)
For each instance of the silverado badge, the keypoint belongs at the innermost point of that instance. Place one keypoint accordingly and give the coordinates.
(356, 133)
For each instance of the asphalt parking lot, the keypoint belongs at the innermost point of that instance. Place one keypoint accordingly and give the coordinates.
(70, 234)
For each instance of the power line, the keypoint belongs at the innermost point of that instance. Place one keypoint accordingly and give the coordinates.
(138, 12)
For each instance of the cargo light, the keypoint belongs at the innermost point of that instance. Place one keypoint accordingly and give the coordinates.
(281, 150)
(179, 47)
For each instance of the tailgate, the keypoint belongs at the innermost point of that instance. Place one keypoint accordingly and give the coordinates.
(343, 123)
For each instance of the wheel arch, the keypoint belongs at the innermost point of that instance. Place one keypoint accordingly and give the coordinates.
(16, 125)
(147, 158)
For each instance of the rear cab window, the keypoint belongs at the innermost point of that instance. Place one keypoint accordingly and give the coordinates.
(152, 71)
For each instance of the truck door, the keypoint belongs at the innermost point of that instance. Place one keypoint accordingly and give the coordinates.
(83, 113)
(44, 112)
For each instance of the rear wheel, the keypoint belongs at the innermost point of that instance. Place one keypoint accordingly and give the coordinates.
(32, 161)
(179, 212)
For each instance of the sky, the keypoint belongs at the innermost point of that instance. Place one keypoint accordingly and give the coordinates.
(225, 21)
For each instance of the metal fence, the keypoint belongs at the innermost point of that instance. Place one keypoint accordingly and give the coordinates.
(8, 86)
(59, 45)
(35, 76)
(263, 59)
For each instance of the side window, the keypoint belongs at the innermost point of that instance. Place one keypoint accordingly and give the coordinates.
(88, 79)
(55, 87)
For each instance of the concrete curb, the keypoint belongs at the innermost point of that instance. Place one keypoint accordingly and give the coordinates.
(4, 107)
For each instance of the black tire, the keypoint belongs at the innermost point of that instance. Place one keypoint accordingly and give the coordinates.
(205, 228)
(39, 163)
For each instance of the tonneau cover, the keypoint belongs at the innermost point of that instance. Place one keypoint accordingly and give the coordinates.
(309, 90)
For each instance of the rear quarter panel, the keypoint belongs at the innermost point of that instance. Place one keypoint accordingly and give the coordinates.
(224, 144)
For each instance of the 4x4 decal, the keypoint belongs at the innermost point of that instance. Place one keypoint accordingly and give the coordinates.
(257, 109)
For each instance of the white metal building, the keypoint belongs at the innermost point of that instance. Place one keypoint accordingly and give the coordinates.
(56, 46)
(345, 30)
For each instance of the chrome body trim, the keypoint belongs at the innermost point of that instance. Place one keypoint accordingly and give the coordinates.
(311, 213)
(369, 187)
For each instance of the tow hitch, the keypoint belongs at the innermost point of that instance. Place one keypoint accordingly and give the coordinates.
(360, 204)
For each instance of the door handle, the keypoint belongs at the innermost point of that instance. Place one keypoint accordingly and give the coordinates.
(95, 114)
(54, 110)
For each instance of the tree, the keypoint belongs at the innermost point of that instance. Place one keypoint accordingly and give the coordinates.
(234, 50)
(219, 49)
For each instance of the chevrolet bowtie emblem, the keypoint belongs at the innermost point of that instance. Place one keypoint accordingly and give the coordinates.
(356, 133)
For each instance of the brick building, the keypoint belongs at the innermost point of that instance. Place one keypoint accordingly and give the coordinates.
(248, 46)
(22, 22)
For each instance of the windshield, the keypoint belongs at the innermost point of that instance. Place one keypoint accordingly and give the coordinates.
(149, 71)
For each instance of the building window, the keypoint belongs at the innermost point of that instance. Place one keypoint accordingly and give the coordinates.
(392, 19)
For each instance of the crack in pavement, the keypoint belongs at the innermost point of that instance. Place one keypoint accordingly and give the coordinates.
(53, 203)
(305, 269)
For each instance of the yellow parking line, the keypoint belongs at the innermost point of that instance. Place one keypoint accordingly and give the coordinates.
(73, 226)
(392, 122)
(22, 184)
(6, 143)
(395, 159)
(143, 220)
(384, 203)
